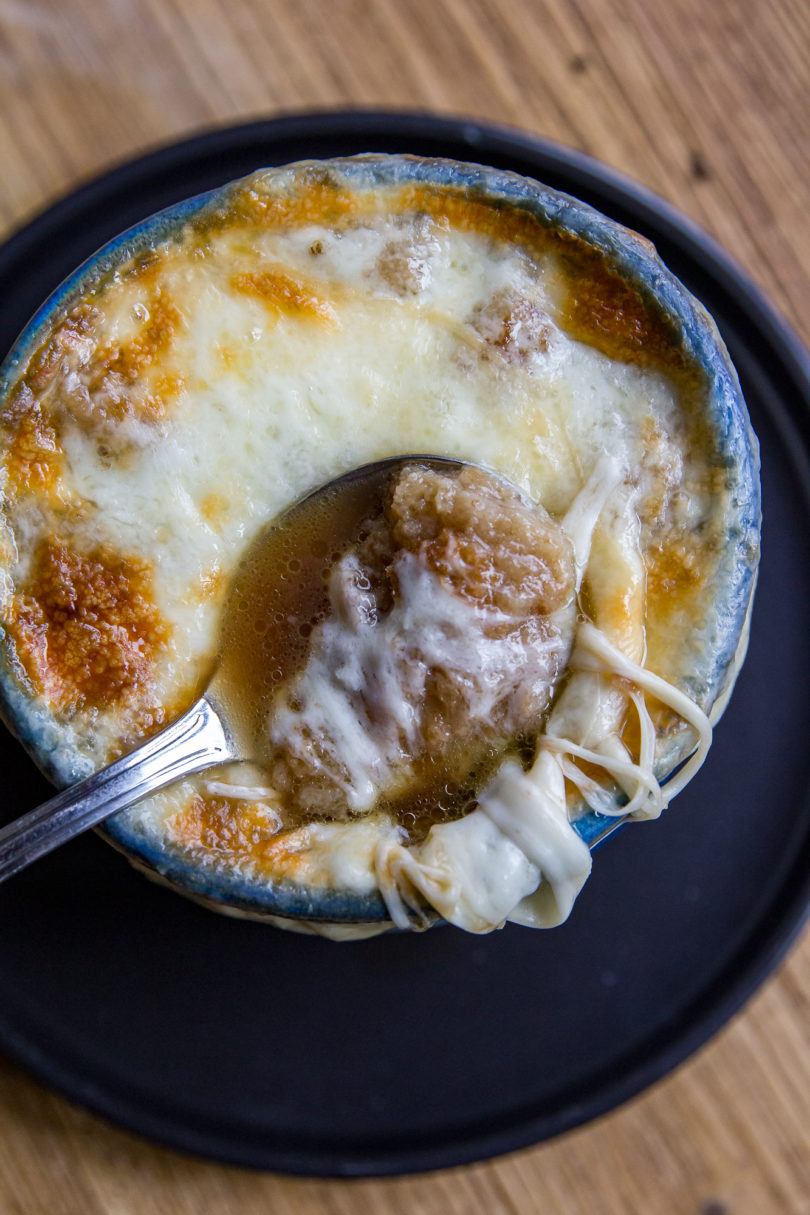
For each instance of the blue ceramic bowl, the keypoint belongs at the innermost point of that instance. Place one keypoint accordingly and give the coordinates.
(624, 252)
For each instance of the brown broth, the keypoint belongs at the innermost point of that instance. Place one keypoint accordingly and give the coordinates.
(280, 594)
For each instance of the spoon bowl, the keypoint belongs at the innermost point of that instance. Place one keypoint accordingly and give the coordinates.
(222, 726)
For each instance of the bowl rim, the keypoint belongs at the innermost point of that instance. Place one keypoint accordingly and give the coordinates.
(639, 264)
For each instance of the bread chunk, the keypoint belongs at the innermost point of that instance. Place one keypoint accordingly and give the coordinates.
(442, 649)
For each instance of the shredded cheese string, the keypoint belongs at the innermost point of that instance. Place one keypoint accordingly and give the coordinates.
(613, 764)
(584, 512)
(594, 652)
(402, 876)
(392, 863)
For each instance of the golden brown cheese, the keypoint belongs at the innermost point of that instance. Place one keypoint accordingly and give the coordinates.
(34, 455)
(286, 295)
(236, 832)
(85, 627)
(597, 305)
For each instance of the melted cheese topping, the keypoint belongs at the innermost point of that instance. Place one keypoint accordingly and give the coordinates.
(362, 697)
(198, 390)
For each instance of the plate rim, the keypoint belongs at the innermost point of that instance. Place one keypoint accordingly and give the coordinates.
(784, 919)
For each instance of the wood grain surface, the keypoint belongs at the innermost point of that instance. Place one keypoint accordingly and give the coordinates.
(707, 104)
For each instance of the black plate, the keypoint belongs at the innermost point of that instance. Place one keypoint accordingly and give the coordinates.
(258, 1047)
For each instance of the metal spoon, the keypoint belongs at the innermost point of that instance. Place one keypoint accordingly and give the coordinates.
(211, 732)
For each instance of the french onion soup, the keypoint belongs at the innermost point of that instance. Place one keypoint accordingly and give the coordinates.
(458, 679)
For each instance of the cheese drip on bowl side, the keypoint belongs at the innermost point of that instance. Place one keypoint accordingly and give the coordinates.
(517, 856)
(315, 319)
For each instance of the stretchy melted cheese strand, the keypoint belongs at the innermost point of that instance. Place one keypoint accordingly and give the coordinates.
(641, 805)
(646, 797)
(550, 902)
(594, 794)
(400, 877)
(619, 767)
(474, 871)
(517, 855)
(591, 710)
(584, 512)
(474, 875)
(518, 848)
(593, 652)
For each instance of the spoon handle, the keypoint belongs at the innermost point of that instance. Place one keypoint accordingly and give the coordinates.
(195, 741)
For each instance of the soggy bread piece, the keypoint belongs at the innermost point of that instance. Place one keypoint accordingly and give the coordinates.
(445, 638)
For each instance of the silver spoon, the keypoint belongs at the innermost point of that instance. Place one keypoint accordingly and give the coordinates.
(214, 730)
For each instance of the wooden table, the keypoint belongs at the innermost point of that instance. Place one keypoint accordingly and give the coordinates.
(706, 103)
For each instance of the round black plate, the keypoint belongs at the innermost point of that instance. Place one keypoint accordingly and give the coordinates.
(404, 1053)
